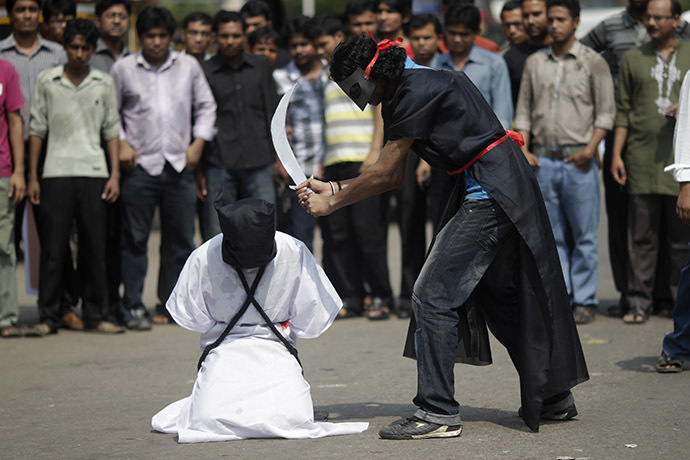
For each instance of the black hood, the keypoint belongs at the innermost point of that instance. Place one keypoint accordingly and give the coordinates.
(249, 228)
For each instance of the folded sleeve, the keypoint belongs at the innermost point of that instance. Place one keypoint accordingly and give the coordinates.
(186, 302)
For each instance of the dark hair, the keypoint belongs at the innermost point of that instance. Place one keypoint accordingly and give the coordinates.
(294, 26)
(262, 35)
(155, 16)
(464, 15)
(676, 10)
(404, 7)
(418, 21)
(523, 1)
(103, 5)
(323, 24)
(54, 7)
(510, 6)
(197, 16)
(223, 17)
(9, 5)
(572, 5)
(449, 3)
(255, 8)
(358, 51)
(82, 27)
(358, 7)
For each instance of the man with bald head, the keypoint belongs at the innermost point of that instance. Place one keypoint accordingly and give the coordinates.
(612, 38)
(649, 82)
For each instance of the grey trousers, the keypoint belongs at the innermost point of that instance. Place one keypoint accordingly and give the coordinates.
(653, 223)
(9, 309)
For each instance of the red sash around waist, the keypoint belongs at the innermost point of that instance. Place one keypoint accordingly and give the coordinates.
(514, 135)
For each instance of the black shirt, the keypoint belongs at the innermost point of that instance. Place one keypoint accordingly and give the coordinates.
(445, 113)
(246, 99)
(515, 57)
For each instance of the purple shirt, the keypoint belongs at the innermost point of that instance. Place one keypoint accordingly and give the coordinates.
(11, 99)
(157, 106)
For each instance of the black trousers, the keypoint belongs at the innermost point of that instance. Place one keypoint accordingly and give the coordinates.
(416, 206)
(64, 200)
(355, 244)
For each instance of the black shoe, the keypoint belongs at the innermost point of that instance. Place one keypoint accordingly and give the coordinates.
(561, 410)
(583, 314)
(139, 321)
(416, 428)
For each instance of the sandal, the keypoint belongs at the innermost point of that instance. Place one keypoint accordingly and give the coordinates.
(636, 315)
(106, 327)
(668, 365)
(378, 310)
(39, 330)
(10, 332)
(160, 319)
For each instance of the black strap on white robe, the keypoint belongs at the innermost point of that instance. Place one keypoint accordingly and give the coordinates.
(249, 300)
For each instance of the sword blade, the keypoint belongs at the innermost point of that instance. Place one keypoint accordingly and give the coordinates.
(280, 140)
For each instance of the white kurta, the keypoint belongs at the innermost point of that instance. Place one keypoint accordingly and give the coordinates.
(681, 136)
(251, 386)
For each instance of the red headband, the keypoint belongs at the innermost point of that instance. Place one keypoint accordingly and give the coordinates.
(380, 46)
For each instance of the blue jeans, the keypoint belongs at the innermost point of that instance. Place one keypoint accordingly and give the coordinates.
(571, 197)
(464, 250)
(677, 343)
(175, 194)
(247, 183)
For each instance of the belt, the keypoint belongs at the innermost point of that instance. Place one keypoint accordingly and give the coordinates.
(515, 136)
(559, 152)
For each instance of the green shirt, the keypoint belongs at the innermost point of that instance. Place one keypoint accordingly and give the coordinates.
(648, 86)
(74, 119)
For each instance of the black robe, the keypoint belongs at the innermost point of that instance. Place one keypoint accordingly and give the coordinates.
(452, 124)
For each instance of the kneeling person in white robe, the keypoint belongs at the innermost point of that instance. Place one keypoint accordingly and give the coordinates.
(249, 384)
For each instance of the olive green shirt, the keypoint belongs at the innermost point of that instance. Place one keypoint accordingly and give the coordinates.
(648, 86)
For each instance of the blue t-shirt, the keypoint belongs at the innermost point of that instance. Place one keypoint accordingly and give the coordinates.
(474, 191)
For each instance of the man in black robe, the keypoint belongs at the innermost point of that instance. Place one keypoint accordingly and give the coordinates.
(493, 262)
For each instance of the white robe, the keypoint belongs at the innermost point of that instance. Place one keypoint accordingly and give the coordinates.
(251, 386)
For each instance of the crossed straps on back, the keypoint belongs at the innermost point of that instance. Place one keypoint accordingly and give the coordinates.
(249, 300)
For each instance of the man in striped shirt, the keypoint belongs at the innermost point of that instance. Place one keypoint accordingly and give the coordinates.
(355, 243)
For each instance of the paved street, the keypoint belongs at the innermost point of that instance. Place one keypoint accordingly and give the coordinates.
(87, 396)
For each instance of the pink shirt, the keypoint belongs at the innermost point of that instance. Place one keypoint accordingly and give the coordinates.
(11, 99)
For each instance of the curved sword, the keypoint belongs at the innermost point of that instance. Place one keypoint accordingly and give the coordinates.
(280, 140)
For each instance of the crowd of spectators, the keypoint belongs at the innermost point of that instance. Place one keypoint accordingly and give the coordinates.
(97, 138)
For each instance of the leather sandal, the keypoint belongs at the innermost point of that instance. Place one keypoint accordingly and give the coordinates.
(636, 315)
(10, 332)
(668, 365)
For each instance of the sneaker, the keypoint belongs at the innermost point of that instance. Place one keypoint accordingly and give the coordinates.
(416, 428)
(139, 321)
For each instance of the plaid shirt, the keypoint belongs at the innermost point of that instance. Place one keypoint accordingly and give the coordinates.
(305, 115)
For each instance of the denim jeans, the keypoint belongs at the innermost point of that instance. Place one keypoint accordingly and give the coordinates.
(677, 343)
(247, 183)
(464, 250)
(571, 197)
(175, 194)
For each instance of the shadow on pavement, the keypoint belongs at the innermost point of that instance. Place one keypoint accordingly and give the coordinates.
(643, 364)
(372, 410)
